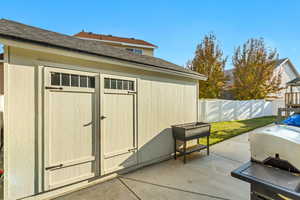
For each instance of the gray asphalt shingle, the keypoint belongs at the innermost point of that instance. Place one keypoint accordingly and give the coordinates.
(17, 31)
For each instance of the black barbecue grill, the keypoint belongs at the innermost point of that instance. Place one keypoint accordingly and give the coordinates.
(190, 131)
(269, 182)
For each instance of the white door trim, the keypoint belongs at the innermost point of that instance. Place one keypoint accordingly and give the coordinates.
(45, 83)
(104, 91)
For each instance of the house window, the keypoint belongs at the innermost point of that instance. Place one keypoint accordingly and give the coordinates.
(137, 51)
(110, 83)
(72, 80)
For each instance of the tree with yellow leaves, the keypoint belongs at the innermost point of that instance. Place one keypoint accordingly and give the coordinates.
(209, 60)
(253, 71)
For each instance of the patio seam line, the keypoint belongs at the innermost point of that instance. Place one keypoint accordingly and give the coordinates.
(225, 157)
(174, 188)
(139, 198)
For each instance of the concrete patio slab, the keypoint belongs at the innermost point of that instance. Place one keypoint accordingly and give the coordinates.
(202, 177)
(159, 192)
(110, 190)
(208, 175)
(236, 148)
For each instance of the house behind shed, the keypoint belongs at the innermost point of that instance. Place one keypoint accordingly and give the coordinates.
(77, 111)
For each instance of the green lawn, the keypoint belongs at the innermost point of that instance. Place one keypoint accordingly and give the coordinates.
(221, 131)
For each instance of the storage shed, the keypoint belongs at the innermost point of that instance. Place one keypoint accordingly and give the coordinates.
(77, 112)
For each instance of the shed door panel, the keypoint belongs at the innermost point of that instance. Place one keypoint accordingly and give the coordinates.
(71, 126)
(119, 124)
(69, 130)
(119, 145)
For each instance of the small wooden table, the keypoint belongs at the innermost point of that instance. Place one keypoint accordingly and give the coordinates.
(187, 132)
(185, 151)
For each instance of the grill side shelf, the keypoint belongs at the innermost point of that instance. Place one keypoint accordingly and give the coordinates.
(250, 172)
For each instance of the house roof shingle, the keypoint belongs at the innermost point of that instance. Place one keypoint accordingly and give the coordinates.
(17, 31)
(280, 61)
(294, 81)
(90, 35)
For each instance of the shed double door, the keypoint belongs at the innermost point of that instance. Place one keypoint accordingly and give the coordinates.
(69, 127)
(118, 124)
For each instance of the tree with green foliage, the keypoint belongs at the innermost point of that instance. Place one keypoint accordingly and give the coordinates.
(253, 71)
(209, 60)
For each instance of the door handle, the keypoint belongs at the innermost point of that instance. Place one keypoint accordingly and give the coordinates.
(55, 166)
(90, 123)
(102, 117)
(131, 150)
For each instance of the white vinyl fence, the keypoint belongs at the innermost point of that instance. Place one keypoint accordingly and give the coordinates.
(216, 110)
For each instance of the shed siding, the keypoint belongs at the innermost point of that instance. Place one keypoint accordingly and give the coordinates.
(20, 131)
(162, 103)
(163, 100)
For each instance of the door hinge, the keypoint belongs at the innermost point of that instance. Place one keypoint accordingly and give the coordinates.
(55, 166)
(53, 88)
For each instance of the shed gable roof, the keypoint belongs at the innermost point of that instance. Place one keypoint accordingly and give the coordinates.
(17, 31)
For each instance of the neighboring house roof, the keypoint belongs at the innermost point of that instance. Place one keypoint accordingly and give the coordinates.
(116, 39)
(229, 72)
(284, 60)
(281, 61)
(294, 82)
(20, 32)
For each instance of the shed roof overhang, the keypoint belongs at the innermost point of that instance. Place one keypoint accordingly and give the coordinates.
(18, 32)
(92, 57)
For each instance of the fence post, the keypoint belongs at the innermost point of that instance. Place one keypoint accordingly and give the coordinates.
(263, 108)
(251, 109)
(235, 111)
(264, 103)
(203, 110)
(203, 113)
(220, 110)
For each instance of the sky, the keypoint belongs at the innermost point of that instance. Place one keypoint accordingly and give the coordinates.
(176, 26)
